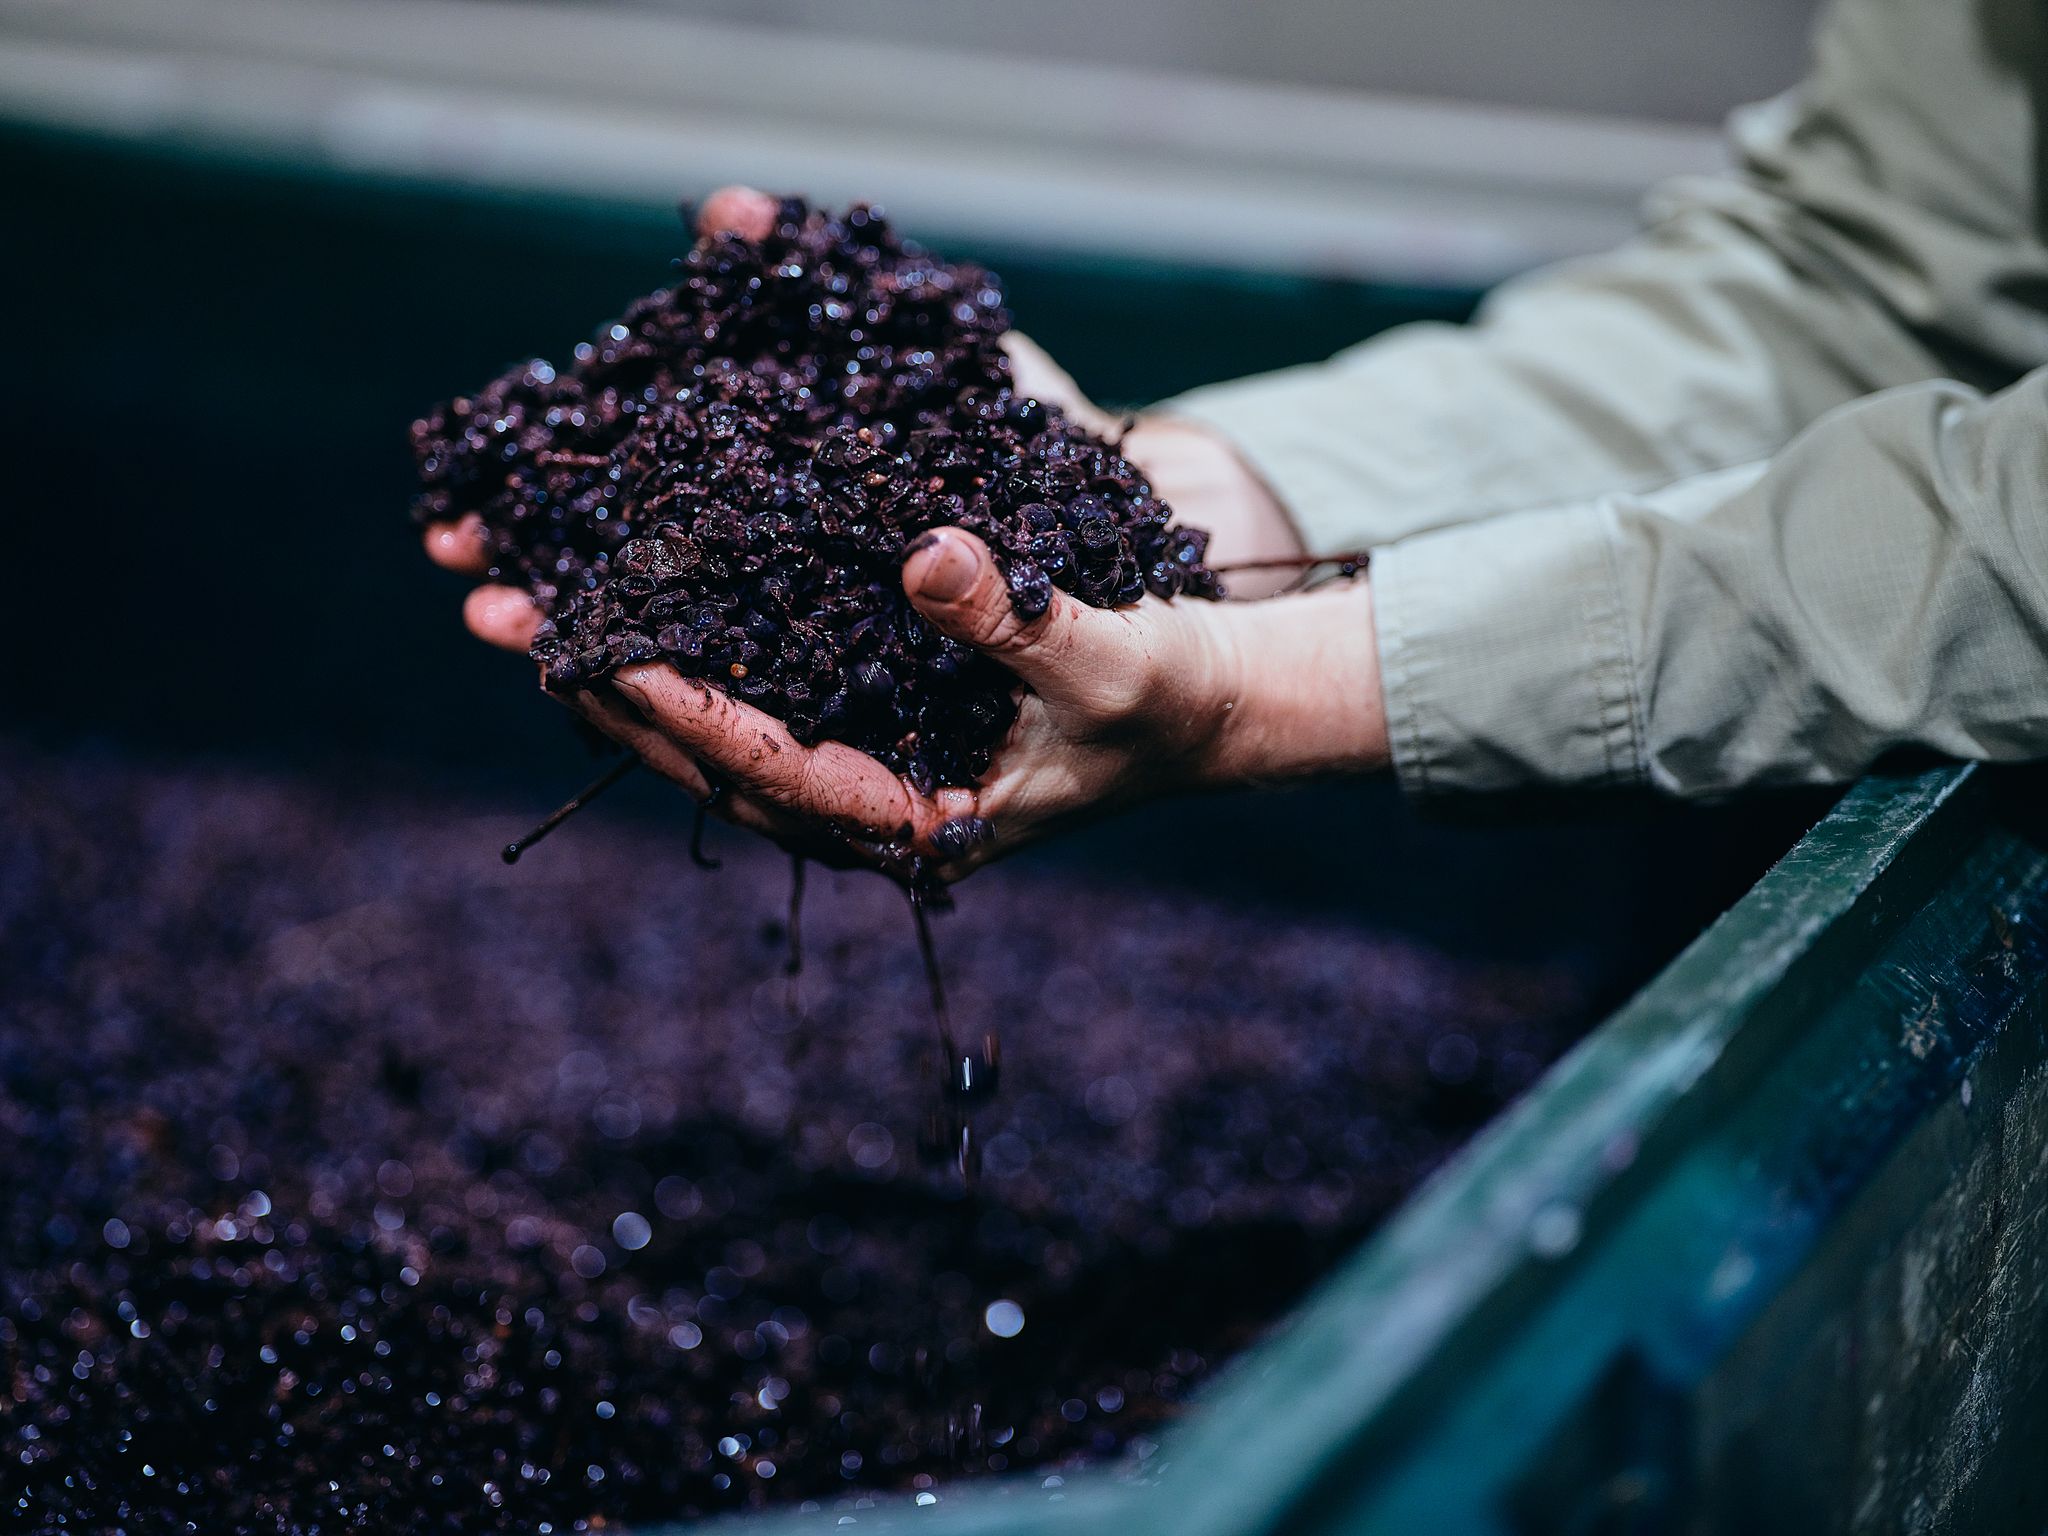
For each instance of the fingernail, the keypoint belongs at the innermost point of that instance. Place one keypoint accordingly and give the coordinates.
(954, 836)
(630, 691)
(950, 568)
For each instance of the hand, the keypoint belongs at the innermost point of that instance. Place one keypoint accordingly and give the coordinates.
(1119, 704)
(1194, 471)
(507, 617)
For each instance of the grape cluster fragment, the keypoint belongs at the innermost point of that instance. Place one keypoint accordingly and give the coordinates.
(727, 477)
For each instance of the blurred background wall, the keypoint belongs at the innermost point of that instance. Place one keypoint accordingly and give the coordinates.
(248, 241)
(1441, 141)
(1665, 59)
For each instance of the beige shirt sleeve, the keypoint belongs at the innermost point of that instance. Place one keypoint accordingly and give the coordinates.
(1884, 227)
(1881, 583)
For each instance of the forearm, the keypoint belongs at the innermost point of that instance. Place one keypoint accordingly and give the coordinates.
(1883, 586)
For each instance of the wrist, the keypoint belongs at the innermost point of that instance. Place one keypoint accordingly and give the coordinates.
(1304, 696)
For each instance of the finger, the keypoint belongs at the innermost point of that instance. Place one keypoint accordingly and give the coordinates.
(459, 546)
(952, 843)
(808, 839)
(502, 616)
(960, 840)
(830, 782)
(955, 837)
(1034, 373)
(738, 211)
(625, 726)
(953, 581)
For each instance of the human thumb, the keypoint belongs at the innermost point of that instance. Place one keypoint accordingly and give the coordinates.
(952, 579)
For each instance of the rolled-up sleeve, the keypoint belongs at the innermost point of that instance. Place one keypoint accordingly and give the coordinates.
(1879, 228)
(1882, 583)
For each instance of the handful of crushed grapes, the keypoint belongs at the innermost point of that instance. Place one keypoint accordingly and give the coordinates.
(727, 477)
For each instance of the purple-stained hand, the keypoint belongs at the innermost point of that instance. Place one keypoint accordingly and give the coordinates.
(1117, 704)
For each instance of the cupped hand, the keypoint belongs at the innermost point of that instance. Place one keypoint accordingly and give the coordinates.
(1117, 704)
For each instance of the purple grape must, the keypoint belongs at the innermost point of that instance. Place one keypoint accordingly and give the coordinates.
(727, 477)
(354, 1185)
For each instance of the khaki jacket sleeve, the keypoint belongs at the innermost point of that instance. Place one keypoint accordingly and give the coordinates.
(1881, 583)
(1880, 228)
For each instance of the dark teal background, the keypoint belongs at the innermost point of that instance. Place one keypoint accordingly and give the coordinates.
(214, 364)
(211, 367)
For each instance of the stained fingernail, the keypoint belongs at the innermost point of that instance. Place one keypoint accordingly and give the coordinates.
(957, 834)
(630, 690)
(949, 569)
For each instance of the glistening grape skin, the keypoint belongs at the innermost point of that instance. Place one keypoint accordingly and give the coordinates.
(727, 477)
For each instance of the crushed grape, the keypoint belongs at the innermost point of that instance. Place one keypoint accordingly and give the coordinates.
(358, 1183)
(727, 478)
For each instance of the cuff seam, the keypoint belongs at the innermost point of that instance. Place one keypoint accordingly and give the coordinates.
(1621, 711)
(1513, 663)
(1404, 726)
